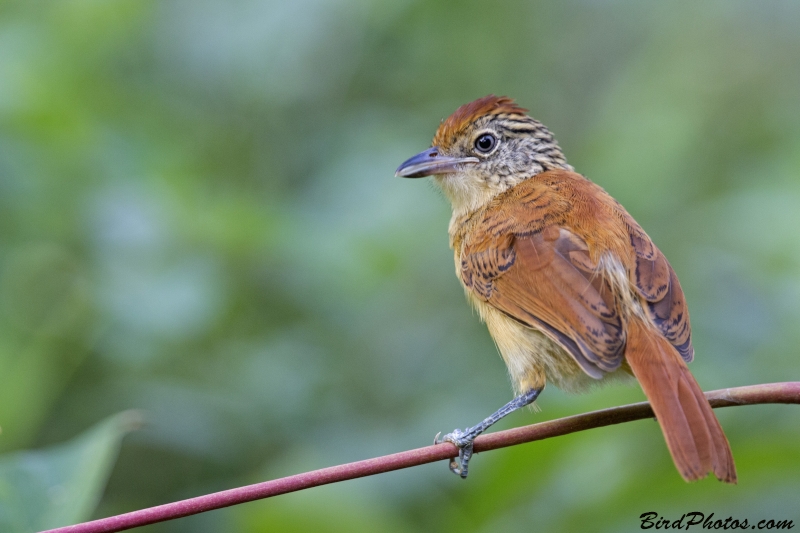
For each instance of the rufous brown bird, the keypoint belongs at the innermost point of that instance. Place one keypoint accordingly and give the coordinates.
(572, 289)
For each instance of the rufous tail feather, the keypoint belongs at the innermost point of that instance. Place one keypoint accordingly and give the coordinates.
(694, 436)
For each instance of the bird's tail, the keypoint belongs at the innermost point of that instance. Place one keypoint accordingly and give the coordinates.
(694, 436)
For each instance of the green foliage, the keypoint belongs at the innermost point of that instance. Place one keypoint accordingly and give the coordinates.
(62, 484)
(199, 219)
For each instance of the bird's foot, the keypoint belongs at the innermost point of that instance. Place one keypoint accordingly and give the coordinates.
(462, 439)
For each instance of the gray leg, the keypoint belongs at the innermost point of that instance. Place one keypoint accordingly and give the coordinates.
(463, 439)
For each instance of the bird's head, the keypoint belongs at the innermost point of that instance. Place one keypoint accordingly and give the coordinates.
(484, 148)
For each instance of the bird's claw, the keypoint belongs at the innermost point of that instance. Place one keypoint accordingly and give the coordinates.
(464, 442)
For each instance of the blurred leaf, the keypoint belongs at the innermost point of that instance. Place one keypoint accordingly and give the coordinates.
(62, 484)
(45, 320)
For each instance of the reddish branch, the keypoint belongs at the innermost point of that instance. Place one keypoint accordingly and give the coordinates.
(755, 394)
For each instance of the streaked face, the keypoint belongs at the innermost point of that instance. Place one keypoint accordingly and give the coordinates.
(478, 153)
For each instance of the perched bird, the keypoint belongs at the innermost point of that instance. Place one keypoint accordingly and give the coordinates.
(573, 291)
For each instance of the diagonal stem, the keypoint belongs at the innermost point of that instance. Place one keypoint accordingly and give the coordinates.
(788, 392)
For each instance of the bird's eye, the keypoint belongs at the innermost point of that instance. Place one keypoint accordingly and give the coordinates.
(485, 143)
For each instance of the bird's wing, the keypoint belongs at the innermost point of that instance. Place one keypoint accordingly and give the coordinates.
(523, 259)
(657, 284)
(545, 279)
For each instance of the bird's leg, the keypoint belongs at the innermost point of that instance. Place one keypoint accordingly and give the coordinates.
(463, 439)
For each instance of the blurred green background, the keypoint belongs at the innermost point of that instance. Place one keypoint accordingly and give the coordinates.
(199, 220)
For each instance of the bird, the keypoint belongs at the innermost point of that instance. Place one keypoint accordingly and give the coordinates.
(571, 288)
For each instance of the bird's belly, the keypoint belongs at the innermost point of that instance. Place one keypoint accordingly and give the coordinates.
(532, 358)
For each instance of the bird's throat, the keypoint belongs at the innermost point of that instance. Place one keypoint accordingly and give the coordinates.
(468, 193)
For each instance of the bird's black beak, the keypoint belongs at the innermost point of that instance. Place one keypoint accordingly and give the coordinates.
(430, 162)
